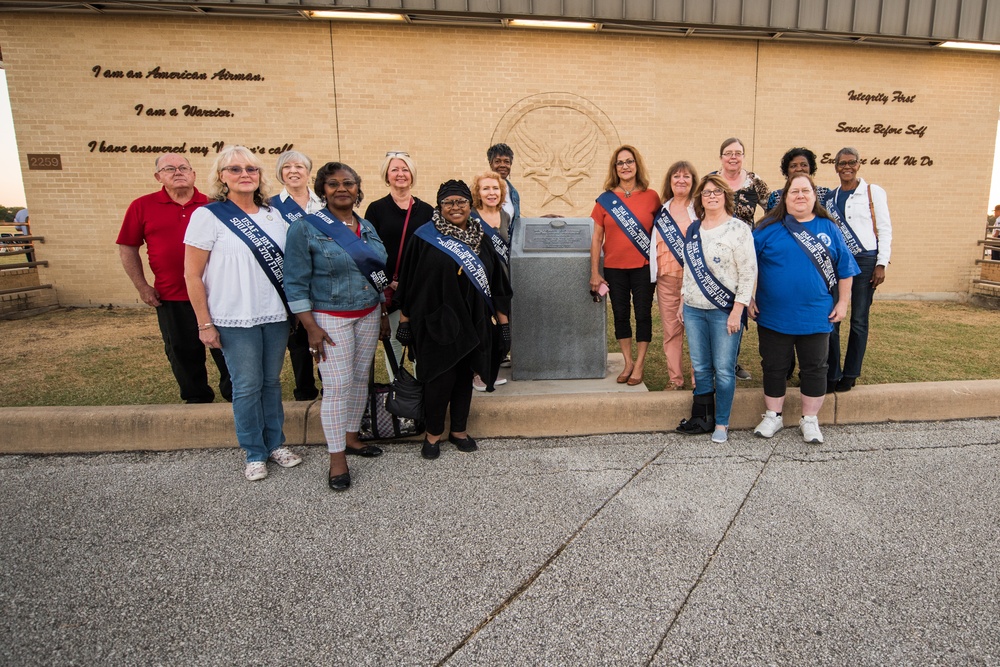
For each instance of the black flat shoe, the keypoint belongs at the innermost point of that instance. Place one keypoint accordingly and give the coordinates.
(696, 426)
(466, 444)
(368, 451)
(430, 450)
(341, 482)
(846, 384)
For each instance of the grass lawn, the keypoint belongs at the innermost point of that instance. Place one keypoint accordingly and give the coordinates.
(96, 356)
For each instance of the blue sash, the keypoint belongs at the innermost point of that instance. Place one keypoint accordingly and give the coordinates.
(371, 265)
(717, 294)
(289, 209)
(494, 235)
(463, 256)
(671, 234)
(626, 220)
(264, 249)
(814, 249)
(853, 243)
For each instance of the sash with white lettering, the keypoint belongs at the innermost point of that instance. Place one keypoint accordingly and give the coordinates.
(626, 220)
(289, 209)
(267, 253)
(494, 235)
(852, 240)
(371, 265)
(671, 234)
(717, 294)
(463, 256)
(814, 249)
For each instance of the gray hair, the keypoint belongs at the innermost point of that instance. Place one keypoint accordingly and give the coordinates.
(156, 165)
(847, 150)
(292, 156)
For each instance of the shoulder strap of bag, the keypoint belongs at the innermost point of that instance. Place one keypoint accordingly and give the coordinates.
(402, 240)
(871, 207)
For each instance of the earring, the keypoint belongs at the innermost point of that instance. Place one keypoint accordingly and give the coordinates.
(225, 189)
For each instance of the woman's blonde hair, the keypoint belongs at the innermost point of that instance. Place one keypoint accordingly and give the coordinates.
(405, 159)
(220, 191)
(477, 201)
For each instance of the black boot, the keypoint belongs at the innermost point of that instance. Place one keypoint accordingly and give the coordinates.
(702, 416)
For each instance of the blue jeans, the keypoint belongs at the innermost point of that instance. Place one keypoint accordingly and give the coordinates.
(862, 294)
(713, 357)
(254, 356)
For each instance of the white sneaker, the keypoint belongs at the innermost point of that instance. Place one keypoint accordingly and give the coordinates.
(809, 426)
(720, 435)
(285, 457)
(500, 381)
(478, 384)
(769, 425)
(255, 471)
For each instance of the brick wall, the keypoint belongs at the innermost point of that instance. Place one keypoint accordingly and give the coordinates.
(353, 91)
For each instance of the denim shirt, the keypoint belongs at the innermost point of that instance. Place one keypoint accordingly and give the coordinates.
(320, 275)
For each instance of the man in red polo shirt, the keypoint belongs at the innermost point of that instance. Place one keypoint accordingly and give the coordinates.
(159, 220)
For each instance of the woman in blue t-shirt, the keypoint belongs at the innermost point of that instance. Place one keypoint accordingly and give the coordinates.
(804, 276)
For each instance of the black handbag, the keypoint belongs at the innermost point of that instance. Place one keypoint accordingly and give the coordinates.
(406, 393)
(378, 423)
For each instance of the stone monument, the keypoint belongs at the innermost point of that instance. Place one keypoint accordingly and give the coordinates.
(558, 331)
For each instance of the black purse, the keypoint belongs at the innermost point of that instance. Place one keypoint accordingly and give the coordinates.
(378, 423)
(406, 393)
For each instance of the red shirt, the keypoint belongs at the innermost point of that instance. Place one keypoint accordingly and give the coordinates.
(619, 252)
(160, 222)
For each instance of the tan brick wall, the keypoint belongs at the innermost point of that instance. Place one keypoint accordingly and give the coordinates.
(353, 91)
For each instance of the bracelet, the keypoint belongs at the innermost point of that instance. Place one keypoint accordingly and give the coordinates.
(204, 327)
(385, 314)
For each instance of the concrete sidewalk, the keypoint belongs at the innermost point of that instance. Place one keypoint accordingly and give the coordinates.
(880, 547)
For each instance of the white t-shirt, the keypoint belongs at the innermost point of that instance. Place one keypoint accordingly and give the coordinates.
(239, 292)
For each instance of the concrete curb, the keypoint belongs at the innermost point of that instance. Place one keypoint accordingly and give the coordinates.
(73, 430)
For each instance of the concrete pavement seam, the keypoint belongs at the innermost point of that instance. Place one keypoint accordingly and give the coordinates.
(526, 584)
(711, 557)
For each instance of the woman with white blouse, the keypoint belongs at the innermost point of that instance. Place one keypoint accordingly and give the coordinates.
(720, 268)
(233, 266)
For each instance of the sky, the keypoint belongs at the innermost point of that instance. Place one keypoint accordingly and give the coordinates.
(12, 191)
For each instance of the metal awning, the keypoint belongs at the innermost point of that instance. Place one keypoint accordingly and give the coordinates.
(912, 23)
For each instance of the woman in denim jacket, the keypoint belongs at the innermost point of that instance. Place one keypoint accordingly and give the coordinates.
(342, 312)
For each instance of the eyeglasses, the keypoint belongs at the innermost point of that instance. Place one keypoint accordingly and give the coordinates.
(733, 154)
(397, 154)
(455, 203)
(625, 163)
(183, 169)
(847, 163)
(712, 194)
(236, 171)
(335, 185)
(796, 193)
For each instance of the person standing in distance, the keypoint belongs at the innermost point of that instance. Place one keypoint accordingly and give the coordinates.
(861, 210)
(160, 220)
(501, 159)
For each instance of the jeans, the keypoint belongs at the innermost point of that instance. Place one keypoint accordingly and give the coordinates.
(713, 357)
(862, 294)
(254, 356)
(186, 353)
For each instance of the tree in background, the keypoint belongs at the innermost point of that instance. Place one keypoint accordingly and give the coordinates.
(7, 213)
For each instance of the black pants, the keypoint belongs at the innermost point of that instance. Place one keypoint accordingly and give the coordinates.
(186, 353)
(302, 364)
(628, 286)
(777, 353)
(453, 387)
